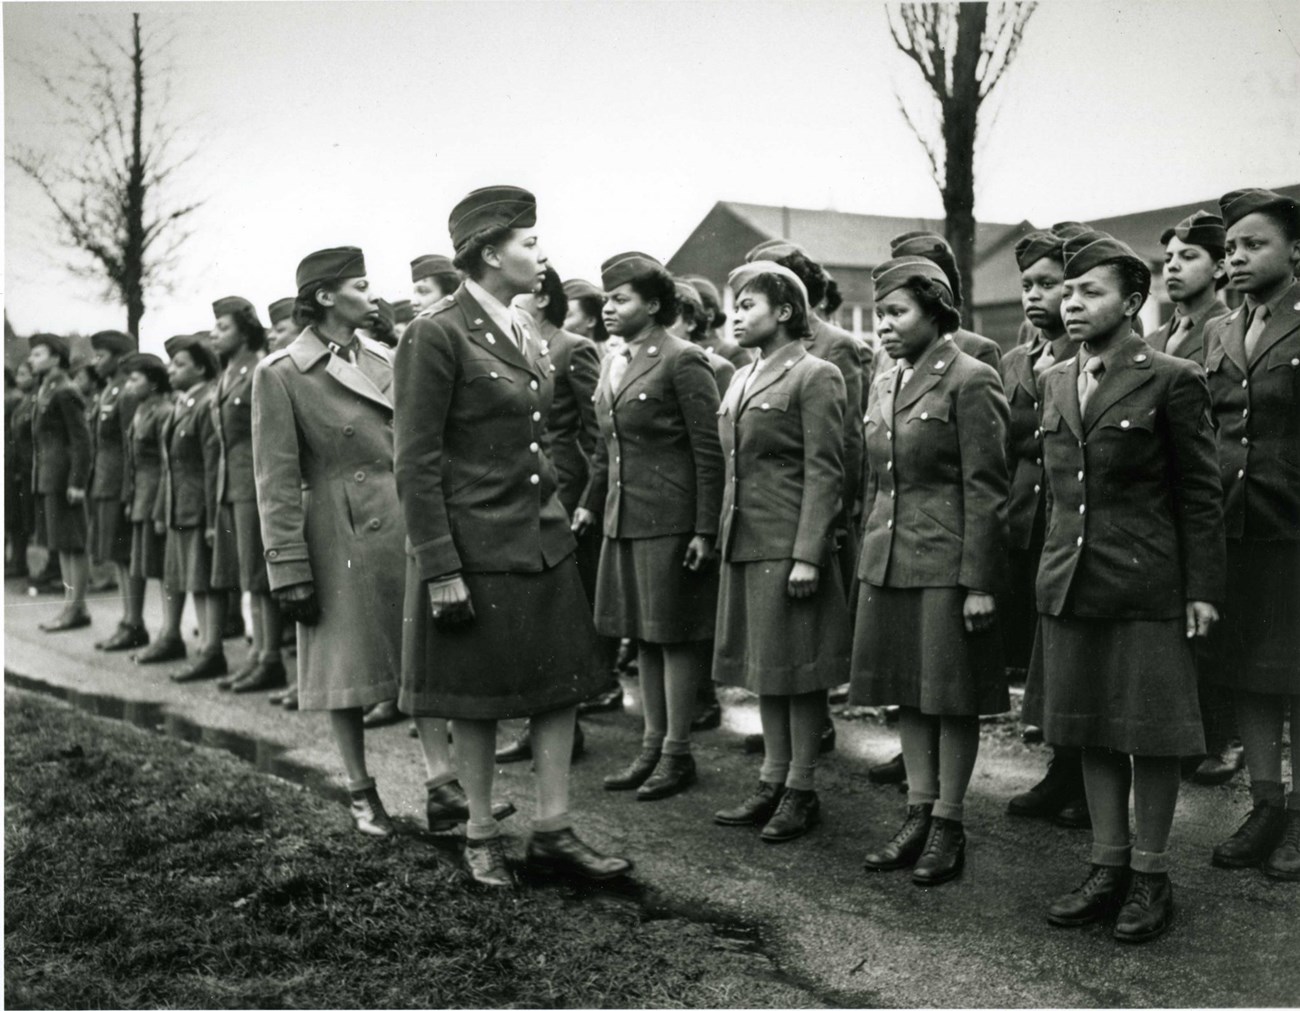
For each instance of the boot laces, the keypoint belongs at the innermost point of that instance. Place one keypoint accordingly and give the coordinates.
(1141, 892)
(938, 837)
(1095, 881)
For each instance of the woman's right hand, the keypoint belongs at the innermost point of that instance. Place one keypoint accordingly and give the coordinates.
(449, 602)
(583, 519)
(160, 528)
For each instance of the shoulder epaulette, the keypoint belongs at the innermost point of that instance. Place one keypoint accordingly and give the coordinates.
(274, 357)
(442, 305)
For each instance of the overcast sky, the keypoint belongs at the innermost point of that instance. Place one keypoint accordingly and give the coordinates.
(322, 124)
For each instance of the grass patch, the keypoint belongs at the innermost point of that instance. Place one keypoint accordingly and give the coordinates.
(142, 871)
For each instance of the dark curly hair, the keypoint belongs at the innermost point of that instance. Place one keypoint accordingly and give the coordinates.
(306, 310)
(658, 286)
(469, 259)
(717, 317)
(446, 280)
(810, 272)
(557, 302)
(591, 308)
(697, 320)
(834, 299)
(1133, 275)
(780, 291)
(935, 302)
(249, 327)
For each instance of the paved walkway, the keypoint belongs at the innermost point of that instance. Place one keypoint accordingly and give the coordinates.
(851, 938)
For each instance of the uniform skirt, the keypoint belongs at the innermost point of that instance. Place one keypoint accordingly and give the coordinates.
(530, 649)
(1256, 647)
(911, 648)
(59, 526)
(772, 644)
(238, 557)
(1125, 685)
(1018, 607)
(110, 532)
(187, 562)
(148, 551)
(644, 591)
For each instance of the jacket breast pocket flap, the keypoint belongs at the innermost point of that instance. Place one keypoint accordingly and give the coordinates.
(474, 370)
(1285, 354)
(771, 402)
(1131, 421)
(930, 409)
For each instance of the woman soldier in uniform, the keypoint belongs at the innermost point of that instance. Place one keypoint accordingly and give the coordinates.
(323, 463)
(186, 508)
(433, 278)
(1253, 363)
(657, 478)
(783, 628)
(713, 339)
(583, 317)
(1132, 561)
(146, 386)
(1059, 795)
(238, 560)
(61, 470)
(933, 550)
(693, 326)
(283, 328)
(19, 508)
(494, 602)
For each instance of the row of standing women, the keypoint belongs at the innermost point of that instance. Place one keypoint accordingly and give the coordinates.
(730, 514)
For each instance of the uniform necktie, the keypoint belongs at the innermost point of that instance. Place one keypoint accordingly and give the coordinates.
(518, 331)
(1089, 378)
(906, 377)
(1258, 321)
(1044, 361)
(1178, 334)
(617, 366)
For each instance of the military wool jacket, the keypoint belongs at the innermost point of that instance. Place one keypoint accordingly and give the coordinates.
(1257, 411)
(110, 429)
(232, 417)
(658, 464)
(60, 436)
(784, 456)
(144, 462)
(190, 453)
(478, 491)
(1134, 508)
(1193, 348)
(571, 429)
(839, 347)
(935, 500)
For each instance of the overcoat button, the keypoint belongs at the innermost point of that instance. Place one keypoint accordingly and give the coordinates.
(494, 375)
(237, 401)
(1245, 441)
(640, 396)
(374, 524)
(1245, 412)
(115, 389)
(537, 415)
(925, 415)
(1294, 363)
(889, 465)
(1139, 358)
(533, 447)
(1240, 474)
(534, 479)
(1080, 475)
(1124, 423)
(348, 430)
(1082, 509)
(533, 385)
(1079, 542)
(1037, 488)
(273, 553)
(766, 406)
(1246, 382)
(1038, 432)
(190, 402)
(360, 476)
(889, 524)
(938, 365)
(244, 371)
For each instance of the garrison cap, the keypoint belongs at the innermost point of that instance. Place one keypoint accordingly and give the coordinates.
(230, 305)
(337, 264)
(933, 247)
(576, 287)
(197, 346)
(281, 308)
(113, 340)
(403, 311)
(58, 346)
(1200, 228)
(686, 292)
(430, 264)
(1069, 229)
(1237, 204)
(491, 207)
(625, 266)
(774, 249)
(741, 276)
(151, 366)
(707, 289)
(1091, 249)
(893, 274)
(1033, 246)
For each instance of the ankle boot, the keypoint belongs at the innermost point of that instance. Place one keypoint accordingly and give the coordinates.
(1100, 895)
(1148, 909)
(905, 848)
(944, 855)
(368, 814)
(1284, 862)
(673, 774)
(756, 809)
(797, 814)
(1254, 841)
(1062, 784)
(640, 769)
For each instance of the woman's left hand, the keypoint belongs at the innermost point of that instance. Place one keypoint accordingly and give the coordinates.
(698, 553)
(803, 580)
(978, 611)
(1201, 617)
(76, 496)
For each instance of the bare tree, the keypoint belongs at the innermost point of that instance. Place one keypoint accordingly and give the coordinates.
(963, 50)
(110, 198)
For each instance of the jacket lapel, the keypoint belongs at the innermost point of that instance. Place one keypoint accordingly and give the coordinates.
(885, 395)
(1233, 339)
(1024, 368)
(1281, 323)
(350, 376)
(1063, 387)
(648, 355)
(932, 367)
(485, 333)
(770, 373)
(1132, 369)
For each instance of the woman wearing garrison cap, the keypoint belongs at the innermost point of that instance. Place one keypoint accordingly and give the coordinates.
(933, 551)
(498, 623)
(110, 531)
(327, 499)
(783, 629)
(145, 382)
(1131, 570)
(657, 480)
(283, 328)
(185, 509)
(583, 318)
(714, 340)
(237, 555)
(1194, 273)
(694, 325)
(61, 472)
(1252, 359)
(433, 278)
(1040, 257)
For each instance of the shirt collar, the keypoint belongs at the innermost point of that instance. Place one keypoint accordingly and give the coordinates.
(500, 314)
(1253, 303)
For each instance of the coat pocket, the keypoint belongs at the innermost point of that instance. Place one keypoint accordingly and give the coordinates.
(771, 402)
(931, 409)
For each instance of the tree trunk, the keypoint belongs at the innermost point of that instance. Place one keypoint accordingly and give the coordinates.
(960, 114)
(133, 261)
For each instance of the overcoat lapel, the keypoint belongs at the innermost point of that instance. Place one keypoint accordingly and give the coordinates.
(1233, 339)
(926, 374)
(483, 332)
(1063, 385)
(352, 377)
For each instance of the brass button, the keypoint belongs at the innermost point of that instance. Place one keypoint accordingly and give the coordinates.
(1082, 508)
(1124, 423)
(533, 447)
(537, 415)
(1080, 475)
(374, 524)
(1079, 542)
(348, 430)
(533, 384)
(360, 476)
(534, 479)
